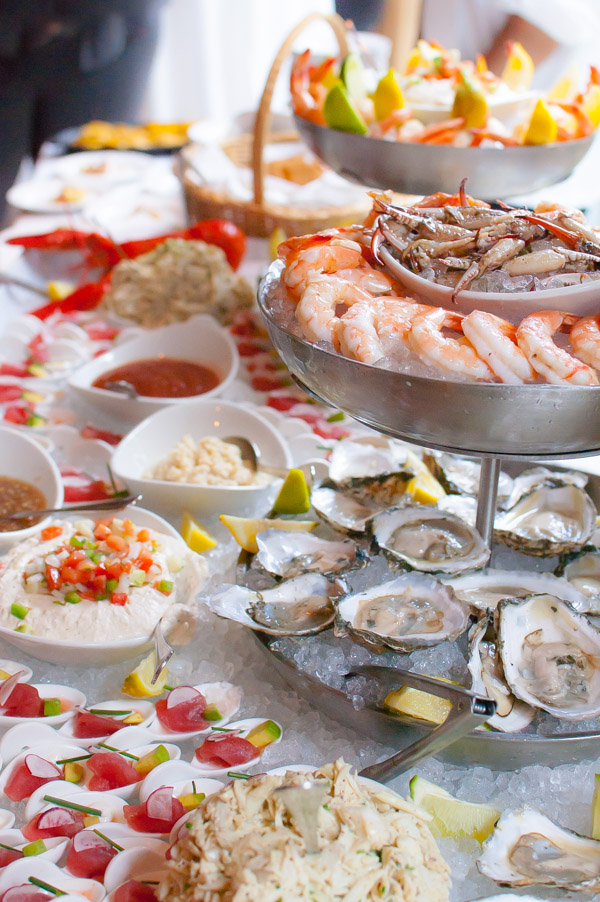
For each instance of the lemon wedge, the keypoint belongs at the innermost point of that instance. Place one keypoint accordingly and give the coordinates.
(424, 487)
(470, 103)
(352, 74)
(518, 70)
(294, 496)
(4, 674)
(387, 96)
(542, 128)
(340, 113)
(566, 86)
(416, 703)
(138, 683)
(58, 290)
(244, 529)
(277, 237)
(451, 817)
(195, 535)
(596, 808)
(591, 104)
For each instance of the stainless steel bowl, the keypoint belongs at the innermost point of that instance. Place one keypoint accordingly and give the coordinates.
(474, 418)
(493, 172)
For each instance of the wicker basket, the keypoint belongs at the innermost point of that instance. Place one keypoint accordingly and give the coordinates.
(257, 217)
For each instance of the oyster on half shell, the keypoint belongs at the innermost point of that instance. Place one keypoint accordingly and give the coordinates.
(288, 554)
(300, 606)
(411, 611)
(460, 475)
(428, 539)
(549, 520)
(485, 588)
(488, 679)
(583, 573)
(341, 510)
(550, 655)
(536, 477)
(527, 848)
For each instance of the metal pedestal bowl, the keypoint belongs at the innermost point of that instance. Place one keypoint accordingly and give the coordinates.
(425, 168)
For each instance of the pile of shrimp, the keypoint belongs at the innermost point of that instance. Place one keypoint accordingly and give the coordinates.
(343, 301)
(456, 243)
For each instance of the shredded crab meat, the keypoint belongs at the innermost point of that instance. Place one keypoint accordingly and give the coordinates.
(242, 846)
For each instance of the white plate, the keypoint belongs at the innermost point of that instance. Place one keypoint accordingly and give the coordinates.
(225, 696)
(199, 339)
(39, 195)
(178, 776)
(135, 864)
(97, 168)
(152, 441)
(20, 871)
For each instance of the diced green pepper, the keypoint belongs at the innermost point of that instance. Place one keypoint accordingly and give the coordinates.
(52, 707)
(34, 848)
(137, 578)
(76, 543)
(165, 586)
(18, 610)
(73, 597)
(23, 628)
(111, 585)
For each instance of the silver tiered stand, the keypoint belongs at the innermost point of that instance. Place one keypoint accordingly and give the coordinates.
(491, 422)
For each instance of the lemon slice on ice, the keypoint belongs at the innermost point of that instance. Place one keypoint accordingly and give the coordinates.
(452, 817)
(138, 683)
(244, 529)
(195, 535)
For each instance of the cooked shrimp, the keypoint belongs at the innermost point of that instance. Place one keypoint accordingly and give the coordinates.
(317, 309)
(534, 337)
(585, 340)
(453, 356)
(363, 327)
(367, 278)
(324, 259)
(495, 341)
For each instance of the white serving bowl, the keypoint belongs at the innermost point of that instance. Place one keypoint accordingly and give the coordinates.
(23, 458)
(199, 339)
(582, 300)
(96, 654)
(152, 441)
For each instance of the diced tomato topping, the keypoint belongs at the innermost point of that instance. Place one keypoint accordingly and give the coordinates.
(114, 569)
(110, 770)
(110, 437)
(184, 716)
(128, 527)
(119, 598)
(54, 822)
(52, 577)
(143, 535)
(132, 891)
(89, 855)
(90, 726)
(69, 575)
(117, 543)
(75, 557)
(227, 751)
(102, 531)
(51, 532)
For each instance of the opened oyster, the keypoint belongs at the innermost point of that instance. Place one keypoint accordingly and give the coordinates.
(583, 573)
(460, 476)
(551, 656)
(484, 589)
(288, 554)
(549, 520)
(528, 848)
(412, 611)
(536, 477)
(488, 679)
(296, 607)
(341, 510)
(429, 539)
(366, 456)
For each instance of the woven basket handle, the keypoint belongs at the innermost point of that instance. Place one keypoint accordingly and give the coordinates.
(262, 124)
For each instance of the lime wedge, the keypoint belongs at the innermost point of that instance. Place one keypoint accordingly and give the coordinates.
(340, 113)
(294, 496)
(451, 817)
(352, 74)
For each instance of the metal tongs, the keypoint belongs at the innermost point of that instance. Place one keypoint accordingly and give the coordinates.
(468, 711)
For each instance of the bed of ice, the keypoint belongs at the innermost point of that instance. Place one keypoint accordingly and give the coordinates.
(224, 650)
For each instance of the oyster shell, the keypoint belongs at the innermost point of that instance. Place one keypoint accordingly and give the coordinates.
(340, 509)
(527, 848)
(296, 607)
(488, 679)
(484, 589)
(411, 611)
(549, 520)
(460, 475)
(428, 539)
(583, 573)
(289, 554)
(536, 477)
(365, 456)
(551, 656)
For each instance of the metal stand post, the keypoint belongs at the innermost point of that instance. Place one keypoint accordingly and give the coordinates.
(486, 498)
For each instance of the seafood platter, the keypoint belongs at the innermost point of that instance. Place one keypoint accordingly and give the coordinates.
(441, 119)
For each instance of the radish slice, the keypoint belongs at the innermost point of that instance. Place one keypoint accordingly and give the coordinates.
(8, 686)
(181, 694)
(87, 839)
(159, 804)
(39, 767)
(57, 817)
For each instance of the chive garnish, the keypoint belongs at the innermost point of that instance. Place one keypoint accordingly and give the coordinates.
(10, 848)
(47, 886)
(111, 748)
(149, 882)
(78, 758)
(109, 841)
(238, 776)
(72, 805)
(101, 711)
(194, 790)
(222, 730)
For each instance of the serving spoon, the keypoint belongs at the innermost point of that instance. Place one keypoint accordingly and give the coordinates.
(251, 456)
(303, 804)
(110, 504)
